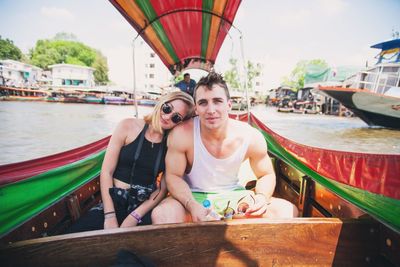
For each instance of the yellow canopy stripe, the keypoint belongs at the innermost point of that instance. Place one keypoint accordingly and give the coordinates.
(219, 7)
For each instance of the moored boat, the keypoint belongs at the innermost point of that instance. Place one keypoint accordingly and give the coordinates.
(114, 100)
(22, 94)
(374, 94)
(147, 102)
(93, 99)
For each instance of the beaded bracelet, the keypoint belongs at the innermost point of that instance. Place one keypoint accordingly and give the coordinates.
(136, 216)
(110, 212)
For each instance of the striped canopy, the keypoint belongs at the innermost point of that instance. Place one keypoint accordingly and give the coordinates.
(184, 33)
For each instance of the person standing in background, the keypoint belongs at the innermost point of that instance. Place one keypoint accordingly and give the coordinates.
(187, 85)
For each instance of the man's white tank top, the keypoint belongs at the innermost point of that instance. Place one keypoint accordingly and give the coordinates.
(210, 174)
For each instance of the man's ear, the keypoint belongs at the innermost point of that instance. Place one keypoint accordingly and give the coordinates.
(230, 104)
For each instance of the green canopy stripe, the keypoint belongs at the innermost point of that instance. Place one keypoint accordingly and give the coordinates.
(207, 5)
(23, 200)
(151, 15)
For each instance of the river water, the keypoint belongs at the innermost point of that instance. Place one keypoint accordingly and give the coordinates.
(35, 129)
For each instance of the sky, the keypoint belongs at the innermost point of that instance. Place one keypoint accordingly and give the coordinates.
(276, 34)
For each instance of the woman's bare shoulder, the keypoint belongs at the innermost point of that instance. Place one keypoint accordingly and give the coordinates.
(130, 125)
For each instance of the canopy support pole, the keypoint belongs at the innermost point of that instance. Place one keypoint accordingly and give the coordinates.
(246, 89)
(134, 79)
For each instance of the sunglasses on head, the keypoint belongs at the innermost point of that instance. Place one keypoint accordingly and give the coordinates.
(167, 109)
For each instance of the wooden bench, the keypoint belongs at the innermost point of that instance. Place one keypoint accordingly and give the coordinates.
(245, 242)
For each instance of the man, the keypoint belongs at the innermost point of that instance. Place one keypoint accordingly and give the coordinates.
(203, 159)
(187, 85)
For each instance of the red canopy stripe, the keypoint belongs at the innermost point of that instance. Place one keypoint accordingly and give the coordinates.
(177, 23)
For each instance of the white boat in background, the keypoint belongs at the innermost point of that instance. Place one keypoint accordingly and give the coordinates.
(374, 93)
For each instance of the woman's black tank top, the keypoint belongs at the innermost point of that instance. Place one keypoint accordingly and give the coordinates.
(144, 169)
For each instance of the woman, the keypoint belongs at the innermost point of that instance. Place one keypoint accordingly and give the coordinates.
(133, 161)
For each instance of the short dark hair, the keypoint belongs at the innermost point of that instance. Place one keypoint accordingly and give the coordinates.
(211, 79)
(186, 74)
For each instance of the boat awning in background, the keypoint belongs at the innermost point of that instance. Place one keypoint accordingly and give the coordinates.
(184, 34)
(318, 74)
(387, 45)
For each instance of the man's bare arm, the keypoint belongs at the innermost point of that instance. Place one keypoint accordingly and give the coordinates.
(176, 163)
(261, 165)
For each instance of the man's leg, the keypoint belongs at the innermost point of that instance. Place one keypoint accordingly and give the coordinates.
(168, 211)
(281, 208)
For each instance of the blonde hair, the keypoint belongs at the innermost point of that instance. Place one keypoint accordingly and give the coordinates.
(153, 118)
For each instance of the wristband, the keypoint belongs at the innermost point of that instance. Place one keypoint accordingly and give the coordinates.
(109, 215)
(136, 216)
(110, 212)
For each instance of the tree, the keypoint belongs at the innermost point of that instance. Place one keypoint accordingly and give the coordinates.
(101, 72)
(232, 76)
(59, 50)
(296, 78)
(253, 71)
(8, 50)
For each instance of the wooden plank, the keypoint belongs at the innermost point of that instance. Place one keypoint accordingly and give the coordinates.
(335, 205)
(290, 179)
(46, 223)
(389, 246)
(251, 242)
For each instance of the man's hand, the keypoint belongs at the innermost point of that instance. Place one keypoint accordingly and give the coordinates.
(197, 211)
(259, 207)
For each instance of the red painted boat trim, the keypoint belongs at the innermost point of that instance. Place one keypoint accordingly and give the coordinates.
(376, 173)
(14, 172)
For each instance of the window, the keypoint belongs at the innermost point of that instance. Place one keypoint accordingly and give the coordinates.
(151, 76)
(390, 69)
(152, 54)
(152, 65)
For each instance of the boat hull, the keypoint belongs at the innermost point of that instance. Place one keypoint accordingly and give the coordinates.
(374, 109)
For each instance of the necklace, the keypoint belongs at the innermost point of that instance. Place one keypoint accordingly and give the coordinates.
(151, 137)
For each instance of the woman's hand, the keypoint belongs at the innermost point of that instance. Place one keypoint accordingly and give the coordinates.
(110, 223)
(129, 222)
